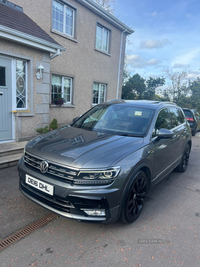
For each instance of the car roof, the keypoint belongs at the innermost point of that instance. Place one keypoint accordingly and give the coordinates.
(142, 103)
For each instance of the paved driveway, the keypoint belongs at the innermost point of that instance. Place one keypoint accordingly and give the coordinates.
(166, 234)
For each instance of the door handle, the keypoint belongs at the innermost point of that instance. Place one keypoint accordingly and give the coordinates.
(1, 93)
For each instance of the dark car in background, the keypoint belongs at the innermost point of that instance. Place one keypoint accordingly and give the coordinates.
(101, 167)
(193, 117)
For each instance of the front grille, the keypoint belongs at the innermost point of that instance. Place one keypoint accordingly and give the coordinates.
(53, 169)
(53, 201)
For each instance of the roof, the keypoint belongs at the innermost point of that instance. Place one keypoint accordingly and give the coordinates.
(106, 15)
(14, 22)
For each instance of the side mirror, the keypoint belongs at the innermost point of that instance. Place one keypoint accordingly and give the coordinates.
(164, 134)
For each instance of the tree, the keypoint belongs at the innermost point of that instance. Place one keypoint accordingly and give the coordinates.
(178, 85)
(151, 85)
(138, 88)
(195, 97)
(106, 4)
(134, 87)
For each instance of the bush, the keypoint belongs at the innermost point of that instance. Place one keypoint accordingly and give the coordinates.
(53, 125)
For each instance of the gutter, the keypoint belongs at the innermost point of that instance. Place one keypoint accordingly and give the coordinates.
(30, 40)
(120, 59)
(58, 53)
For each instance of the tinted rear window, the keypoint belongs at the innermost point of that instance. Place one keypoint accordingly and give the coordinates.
(188, 114)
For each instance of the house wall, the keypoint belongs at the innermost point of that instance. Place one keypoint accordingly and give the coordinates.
(80, 60)
(37, 113)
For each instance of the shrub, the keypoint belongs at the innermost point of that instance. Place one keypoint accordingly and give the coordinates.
(53, 125)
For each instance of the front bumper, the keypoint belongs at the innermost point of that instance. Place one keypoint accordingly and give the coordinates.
(70, 200)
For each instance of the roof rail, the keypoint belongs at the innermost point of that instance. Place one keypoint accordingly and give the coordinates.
(168, 102)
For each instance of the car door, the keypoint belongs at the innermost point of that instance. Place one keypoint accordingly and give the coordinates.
(164, 149)
(178, 127)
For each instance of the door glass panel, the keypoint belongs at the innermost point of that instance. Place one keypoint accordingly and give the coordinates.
(2, 76)
(174, 116)
(20, 84)
(162, 122)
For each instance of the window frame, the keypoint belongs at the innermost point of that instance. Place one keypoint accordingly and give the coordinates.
(102, 39)
(99, 97)
(65, 5)
(62, 88)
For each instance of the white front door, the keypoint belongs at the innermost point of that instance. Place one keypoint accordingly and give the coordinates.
(5, 99)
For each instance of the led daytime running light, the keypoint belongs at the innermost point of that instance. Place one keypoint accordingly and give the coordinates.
(99, 174)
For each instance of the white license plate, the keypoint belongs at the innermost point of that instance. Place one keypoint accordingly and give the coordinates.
(42, 186)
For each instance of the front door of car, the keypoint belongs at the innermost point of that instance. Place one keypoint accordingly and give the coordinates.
(164, 149)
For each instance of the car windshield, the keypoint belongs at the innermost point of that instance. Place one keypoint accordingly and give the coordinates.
(118, 119)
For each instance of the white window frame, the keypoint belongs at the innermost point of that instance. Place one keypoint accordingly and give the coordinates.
(102, 38)
(62, 87)
(99, 96)
(64, 19)
(26, 82)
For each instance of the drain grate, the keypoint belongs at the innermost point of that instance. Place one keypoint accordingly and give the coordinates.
(27, 230)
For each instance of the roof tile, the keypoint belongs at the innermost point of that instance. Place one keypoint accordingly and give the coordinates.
(19, 21)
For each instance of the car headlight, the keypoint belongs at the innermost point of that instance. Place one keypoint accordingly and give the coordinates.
(96, 177)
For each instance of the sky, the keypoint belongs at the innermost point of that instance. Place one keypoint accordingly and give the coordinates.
(166, 36)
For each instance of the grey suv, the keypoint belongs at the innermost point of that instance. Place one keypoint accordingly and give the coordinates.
(102, 166)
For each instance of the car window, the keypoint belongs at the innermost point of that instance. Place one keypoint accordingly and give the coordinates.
(162, 121)
(181, 116)
(174, 117)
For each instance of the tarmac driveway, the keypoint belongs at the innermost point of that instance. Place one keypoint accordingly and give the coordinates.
(166, 234)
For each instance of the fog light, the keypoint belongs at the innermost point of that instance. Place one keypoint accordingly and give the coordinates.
(99, 212)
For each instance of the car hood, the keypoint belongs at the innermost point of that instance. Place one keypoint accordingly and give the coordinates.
(80, 148)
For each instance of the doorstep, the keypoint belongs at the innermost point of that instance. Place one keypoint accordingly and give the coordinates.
(10, 153)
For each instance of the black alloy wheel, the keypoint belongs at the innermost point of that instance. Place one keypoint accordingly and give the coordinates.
(182, 167)
(135, 198)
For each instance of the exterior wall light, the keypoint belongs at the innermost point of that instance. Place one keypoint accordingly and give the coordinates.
(40, 71)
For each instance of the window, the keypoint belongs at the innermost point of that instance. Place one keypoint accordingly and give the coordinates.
(2, 76)
(21, 94)
(99, 92)
(175, 117)
(181, 116)
(63, 18)
(61, 88)
(162, 121)
(102, 38)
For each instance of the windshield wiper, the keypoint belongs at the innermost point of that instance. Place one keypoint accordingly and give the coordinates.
(131, 135)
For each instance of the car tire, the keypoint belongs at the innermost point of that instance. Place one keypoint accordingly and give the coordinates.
(182, 167)
(134, 199)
